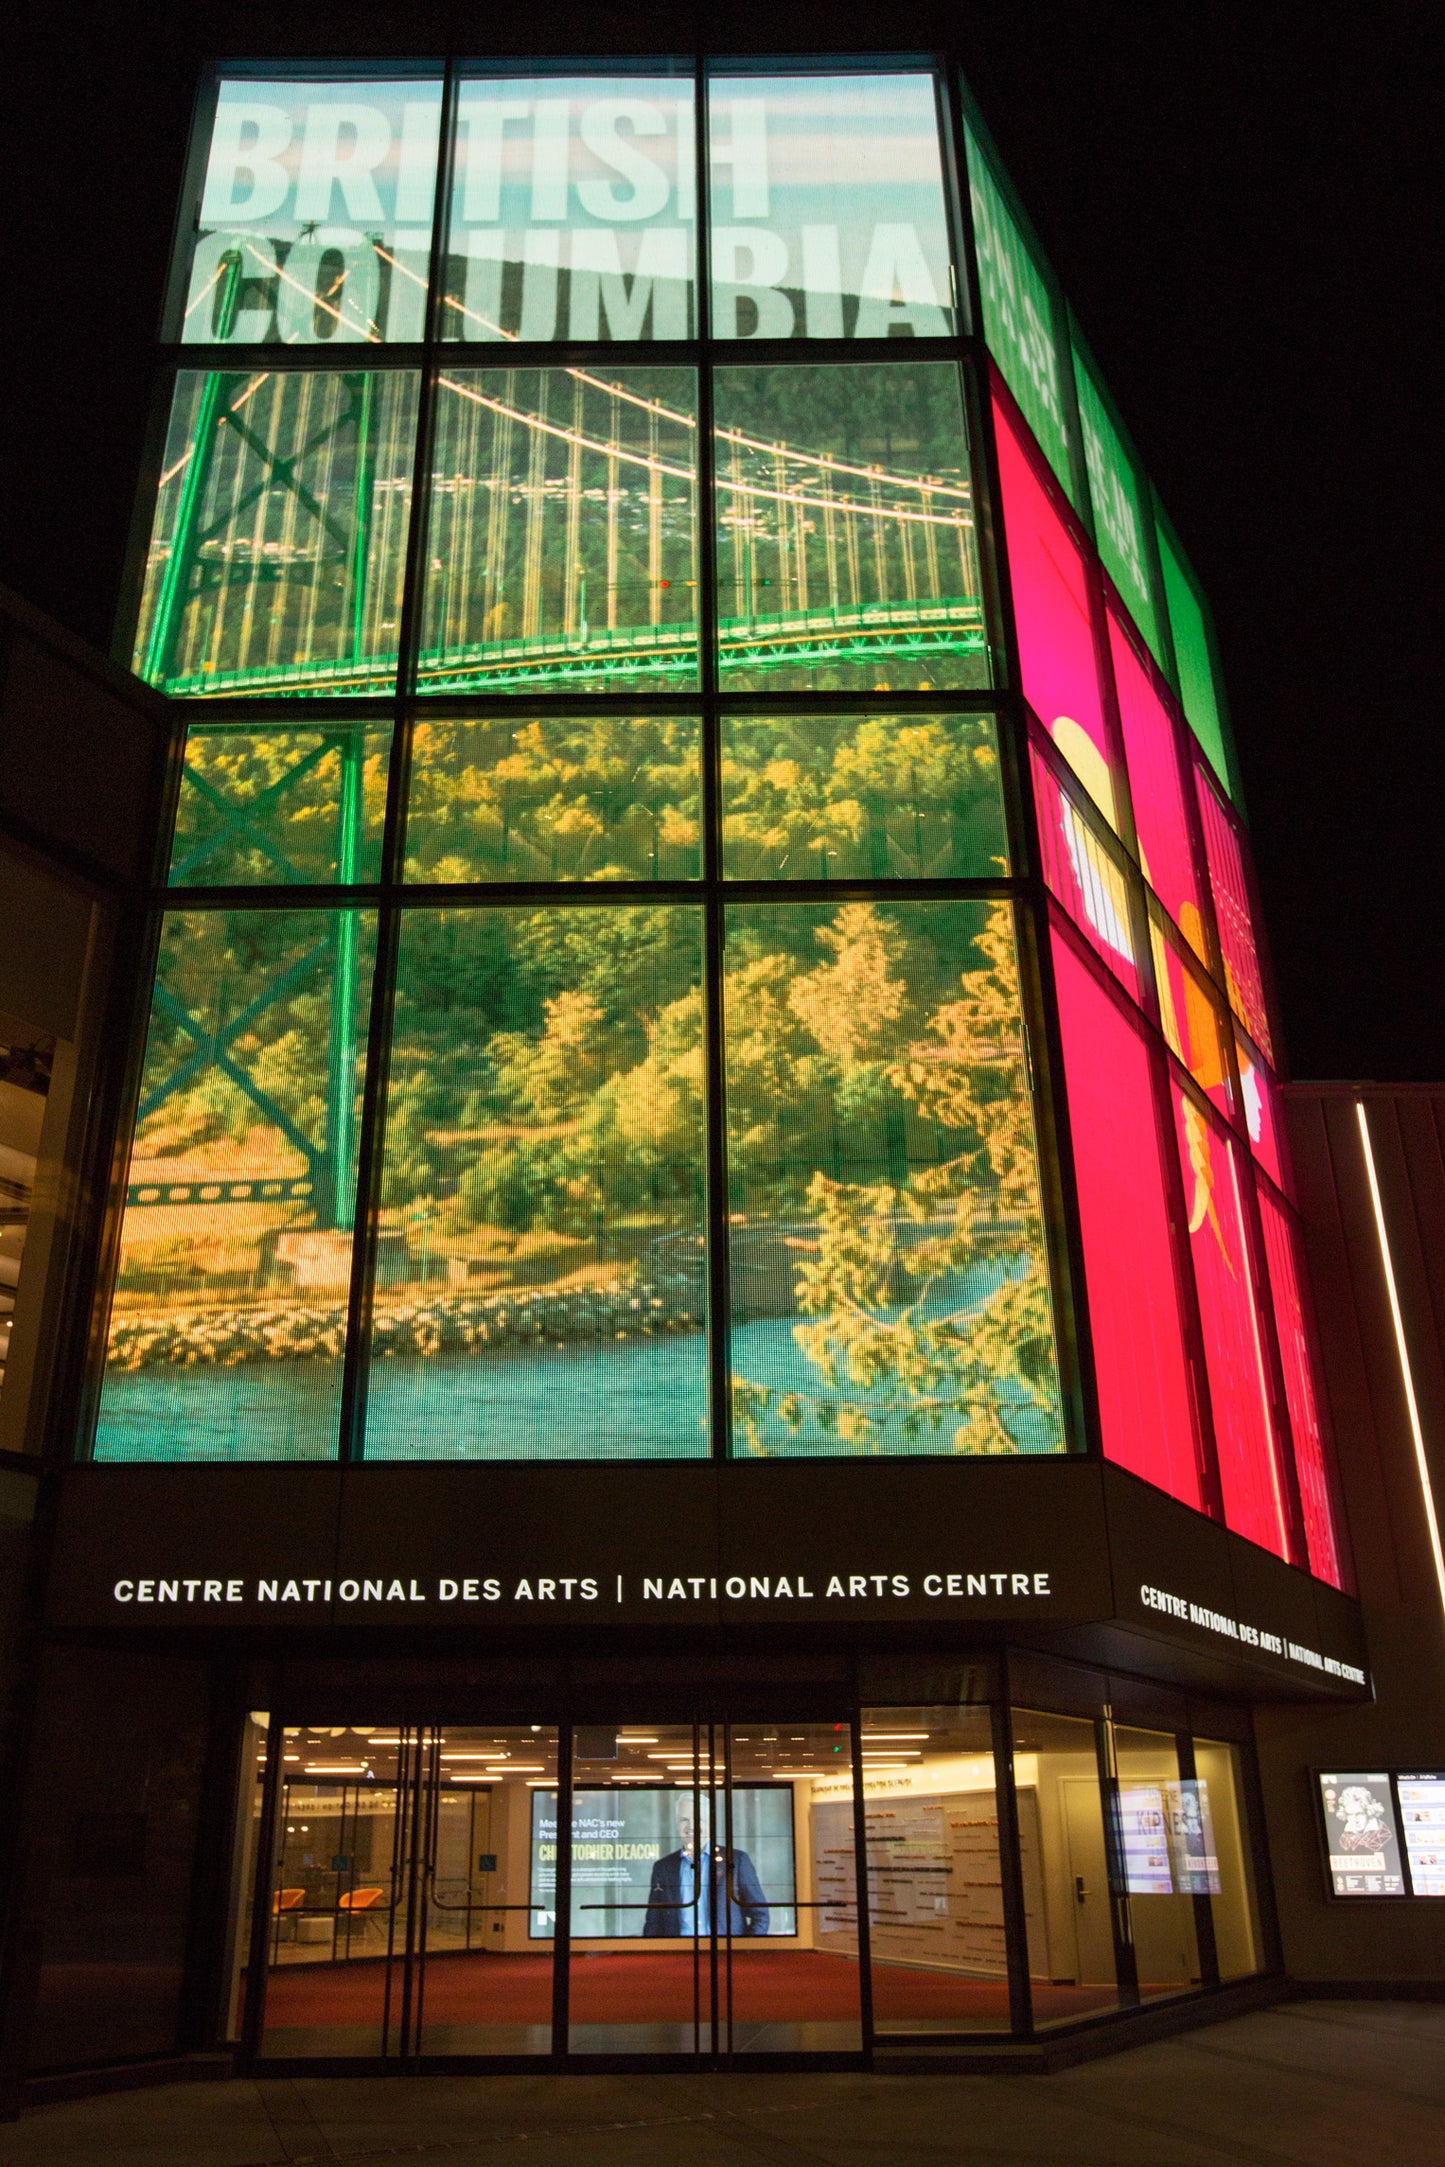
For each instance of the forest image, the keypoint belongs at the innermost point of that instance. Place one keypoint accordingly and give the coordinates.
(541, 1255)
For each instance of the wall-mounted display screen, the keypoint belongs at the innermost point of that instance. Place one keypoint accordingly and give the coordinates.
(1422, 1817)
(1362, 1829)
(647, 1866)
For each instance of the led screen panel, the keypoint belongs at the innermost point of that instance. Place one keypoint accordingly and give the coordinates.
(1362, 1832)
(228, 1321)
(1118, 502)
(641, 1872)
(1193, 657)
(1145, 1405)
(827, 208)
(1261, 1111)
(573, 209)
(1085, 876)
(1230, 883)
(1422, 1815)
(1018, 313)
(1157, 787)
(1289, 1288)
(887, 1264)
(1053, 619)
(315, 221)
(1251, 1478)
(273, 805)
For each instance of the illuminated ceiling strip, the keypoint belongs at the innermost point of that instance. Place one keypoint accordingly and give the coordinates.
(1406, 1376)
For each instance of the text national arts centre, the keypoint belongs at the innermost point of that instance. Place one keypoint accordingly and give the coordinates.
(680, 1386)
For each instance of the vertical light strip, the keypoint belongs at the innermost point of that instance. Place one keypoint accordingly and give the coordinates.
(1426, 1492)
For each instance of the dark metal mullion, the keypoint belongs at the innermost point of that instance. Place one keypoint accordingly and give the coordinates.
(371, 1136)
(562, 1899)
(584, 894)
(1126, 1963)
(1010, 1859)
(1208, 1947)
(862, 1921)
(714, 923)
(258, 1967)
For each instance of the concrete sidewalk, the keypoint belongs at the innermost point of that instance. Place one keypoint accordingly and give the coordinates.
(1323, 2084)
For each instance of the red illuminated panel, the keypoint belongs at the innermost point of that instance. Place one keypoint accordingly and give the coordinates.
(1231, 906)
(1160, 818)
(1250, 1477)
(1145, 1406)
(1261, 1111)
(1084, 877)
(1051, 611)
(1286, 1280)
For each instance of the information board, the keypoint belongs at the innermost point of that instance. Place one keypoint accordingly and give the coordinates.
(1422, 1817)
(1362, 1833)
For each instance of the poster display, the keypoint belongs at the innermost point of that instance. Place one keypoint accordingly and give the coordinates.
(1363, 1834)
(1167, 1838)
(1422, 1817)
(635, 1864)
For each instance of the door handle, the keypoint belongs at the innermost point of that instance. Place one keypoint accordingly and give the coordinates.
(1080, 1891)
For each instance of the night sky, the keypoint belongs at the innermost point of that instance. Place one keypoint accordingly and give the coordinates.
(1245, 204)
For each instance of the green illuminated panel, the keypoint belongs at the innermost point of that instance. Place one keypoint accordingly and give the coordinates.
(555, 798)
(278, 542)
(1192, 658)
(846, 551)
(1018, 314)
(228, 1323)
(876, 797)
(886, 1252)
(562, 547)
(315, 222)
(1118, 507)
(280, 806)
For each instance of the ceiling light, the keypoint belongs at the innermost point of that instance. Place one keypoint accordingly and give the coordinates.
(897, 1734)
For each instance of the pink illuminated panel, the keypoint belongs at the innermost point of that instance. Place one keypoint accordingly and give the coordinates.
(1250, 1477)
(1051, 611)
(1145, 1405)
(1084, 876)
(1261, 1111)
(1157, 788)
(1231, 905)
(1282, 1248)
(1190, 1013)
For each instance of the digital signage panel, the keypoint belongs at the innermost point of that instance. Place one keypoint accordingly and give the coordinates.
(1362, 1831)
(1421, 1799)
(635, 1858)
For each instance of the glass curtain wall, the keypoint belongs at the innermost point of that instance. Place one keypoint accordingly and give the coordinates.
(638, 1067)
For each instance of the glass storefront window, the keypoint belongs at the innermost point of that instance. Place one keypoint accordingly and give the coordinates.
(278, 543)
(1250, 1475)
(935, 1884)
(541, 1270)
(1085, 874)
(315, 221)
(847, 555)
(1070, 1915)
(1053, 620)
(555, 798)
(1289, 1286)
(1223, 1834)
(1230, 883)
(562, 545)
(883, 797)
(27, 1076)
(573, 209)
(228, 1322)
(279, 807)
(1156, 788)
(827, 216)
(1018, 313)
(1118, 501)
(1166, 1854)
(1146, 1407)
(889, 1287)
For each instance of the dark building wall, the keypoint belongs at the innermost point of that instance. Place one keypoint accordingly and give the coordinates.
(1379, 1940)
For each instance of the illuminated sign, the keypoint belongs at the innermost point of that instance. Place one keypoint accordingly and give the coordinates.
(1362, 1831)
(636, 1855)
(1421, 1800)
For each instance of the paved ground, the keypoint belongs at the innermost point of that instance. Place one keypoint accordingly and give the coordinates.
(1324, 2084)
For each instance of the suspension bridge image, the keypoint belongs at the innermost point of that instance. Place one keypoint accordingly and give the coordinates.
(562, 544)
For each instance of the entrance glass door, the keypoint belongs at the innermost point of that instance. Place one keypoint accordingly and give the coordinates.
(712, 1910)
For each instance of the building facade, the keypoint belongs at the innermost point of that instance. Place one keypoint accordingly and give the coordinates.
(699, 1307)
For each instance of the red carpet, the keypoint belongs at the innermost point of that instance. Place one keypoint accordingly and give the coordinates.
(650, 1986)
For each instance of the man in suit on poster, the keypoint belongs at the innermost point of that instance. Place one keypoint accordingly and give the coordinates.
(696, 1884)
